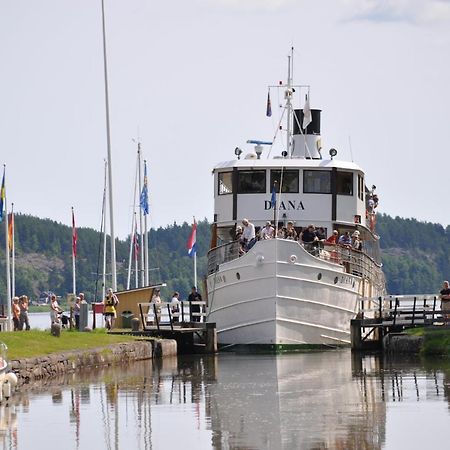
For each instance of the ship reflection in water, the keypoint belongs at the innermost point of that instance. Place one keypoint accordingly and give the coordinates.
(323, 400)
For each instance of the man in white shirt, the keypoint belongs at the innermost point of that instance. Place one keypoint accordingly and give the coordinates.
(248, 234)
(268, 232)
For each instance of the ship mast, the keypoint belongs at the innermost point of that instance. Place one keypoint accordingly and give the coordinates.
(288, 96)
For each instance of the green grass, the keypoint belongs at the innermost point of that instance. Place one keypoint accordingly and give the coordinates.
(436, 342)
(28, 344)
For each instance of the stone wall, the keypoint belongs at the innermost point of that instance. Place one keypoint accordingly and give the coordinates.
(43, 367)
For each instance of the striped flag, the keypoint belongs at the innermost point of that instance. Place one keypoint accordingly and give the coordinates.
(2, 196)
(192, 241)
(74, 236)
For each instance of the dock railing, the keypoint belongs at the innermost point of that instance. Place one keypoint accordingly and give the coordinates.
(162, 315)
(402, 310)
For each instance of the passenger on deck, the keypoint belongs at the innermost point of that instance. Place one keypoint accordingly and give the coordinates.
(445, 301)
(268, 232)
(309, 238)
(290, 232)
(333, 238)
(248, 234)
(345, 239)
(356, 241)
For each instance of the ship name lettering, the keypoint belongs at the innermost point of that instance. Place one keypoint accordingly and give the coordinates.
(291, 205)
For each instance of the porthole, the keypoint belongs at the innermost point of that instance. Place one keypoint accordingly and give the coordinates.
(336, 280)
(293, 259)
(319, 276)
(238, 275)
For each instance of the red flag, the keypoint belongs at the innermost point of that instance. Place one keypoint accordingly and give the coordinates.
(10, 230)
(74, 236)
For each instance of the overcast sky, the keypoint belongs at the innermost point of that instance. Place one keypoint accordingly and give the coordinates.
(190, 77)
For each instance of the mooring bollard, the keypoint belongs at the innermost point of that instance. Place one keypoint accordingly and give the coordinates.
(55, 329)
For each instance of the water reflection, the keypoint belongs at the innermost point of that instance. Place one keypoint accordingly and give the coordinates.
(323, 400)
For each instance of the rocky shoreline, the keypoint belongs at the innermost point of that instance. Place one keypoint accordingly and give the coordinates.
(44, 367)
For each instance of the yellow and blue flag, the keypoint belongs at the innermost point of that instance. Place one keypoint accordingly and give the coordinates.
(143, 201)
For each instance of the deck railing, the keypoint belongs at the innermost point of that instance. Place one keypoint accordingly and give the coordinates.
(354, 261)
(162, 314)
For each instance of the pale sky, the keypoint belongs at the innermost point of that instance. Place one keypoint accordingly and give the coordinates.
(190, 77)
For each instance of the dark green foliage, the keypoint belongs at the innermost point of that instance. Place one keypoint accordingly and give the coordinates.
(415, 257)
(44, 258)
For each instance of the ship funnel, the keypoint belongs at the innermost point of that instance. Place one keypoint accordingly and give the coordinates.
(307, 141)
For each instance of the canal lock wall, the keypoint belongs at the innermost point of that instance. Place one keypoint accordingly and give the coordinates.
(48, 366)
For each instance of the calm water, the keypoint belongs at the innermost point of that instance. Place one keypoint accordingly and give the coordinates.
(305, 401)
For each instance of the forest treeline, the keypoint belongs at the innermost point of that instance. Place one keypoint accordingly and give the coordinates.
(414, 254)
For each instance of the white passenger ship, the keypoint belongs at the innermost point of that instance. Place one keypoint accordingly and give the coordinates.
(281, 294)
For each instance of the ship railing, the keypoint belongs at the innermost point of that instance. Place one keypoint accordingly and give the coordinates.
(222, 254)
(355, 262)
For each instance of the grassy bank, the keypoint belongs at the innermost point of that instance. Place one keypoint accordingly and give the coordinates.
(28, 344)
(436, 341)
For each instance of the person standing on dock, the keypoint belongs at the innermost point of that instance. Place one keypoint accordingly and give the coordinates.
(24, 320)
(445, 301)
(110, 302)
(16, 313)
(54, 310)
(194, 296)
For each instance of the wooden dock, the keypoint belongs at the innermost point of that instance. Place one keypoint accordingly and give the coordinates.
(185, 327)
(381, 316)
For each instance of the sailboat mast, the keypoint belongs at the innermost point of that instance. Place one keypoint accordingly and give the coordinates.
(108, 144)
(8, 269)
(104, 232)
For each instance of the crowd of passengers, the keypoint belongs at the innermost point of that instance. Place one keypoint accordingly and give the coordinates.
(310, 237)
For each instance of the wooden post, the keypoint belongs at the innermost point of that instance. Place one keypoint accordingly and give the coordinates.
(355, 334)
(211, 338)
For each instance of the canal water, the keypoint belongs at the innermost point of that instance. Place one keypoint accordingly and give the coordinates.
(317, 400)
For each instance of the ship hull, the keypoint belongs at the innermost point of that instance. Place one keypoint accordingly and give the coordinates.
(280, 297)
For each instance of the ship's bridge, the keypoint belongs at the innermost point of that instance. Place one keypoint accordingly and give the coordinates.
(322, 192)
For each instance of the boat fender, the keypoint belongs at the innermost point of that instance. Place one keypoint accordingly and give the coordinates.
(12, 378)
(260, 259)
(6, 388)
(293, 259)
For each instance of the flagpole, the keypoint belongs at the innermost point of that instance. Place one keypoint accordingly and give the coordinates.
(104, 231)
(195, 258)
(74, 254)
(141, 226)
(8, 269)
(146, 240)
(136, 256)
(108, 144)
(133, 222)
(13, 259)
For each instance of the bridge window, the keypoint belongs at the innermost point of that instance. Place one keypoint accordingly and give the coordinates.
(360, 187)
(252, 182)
(290, 180)
(225, 183)
(317, 182)
(344, 183)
